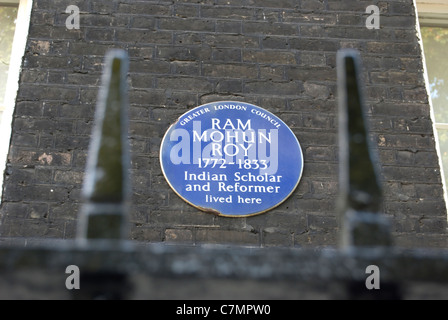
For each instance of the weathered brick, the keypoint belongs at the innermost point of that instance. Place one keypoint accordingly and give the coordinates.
(47, 92)
(147, 23)
(401, 8)
(74, 111)
(178, 236)
(317, 222)
(15, 209)
(358, 6)
(184, 53)
(273, 237)
(314, 44)
(192, 68)
(313, 5)
(191, 24)
(61, 32)
(327, 188)
(34, 228)
(79, 48)
(419, 207)
(239, 71)
(231, 40)
(269, 57)
(100, 34)
(185, 83)
(410, 174)
(284, 220)
(64, 211)
(409, 141)
(271, 15)
(316, 239)
(320, 153)
(225, 54)
(316, 91)
(25, 140)
(227, 237)
(43, 18)
(139, 36)
(402, 49)
(306, 73)
(66, 177)
(272, 72)
(225, 26)
(315, 205)
(273, 87)
(141, 52)
(266, 28)
(96, 19)
(145, 234)
(144, 7)
(318, 121)
(28, 108)
(234, 86)
(275, 42)
(419, 241)
(227, 12)
(397, 77)
(276, 4)
(187, 216)
(155, 66)
(43, 175)
(280, 55)
(423, 190)
(351, 19)
(27, 157)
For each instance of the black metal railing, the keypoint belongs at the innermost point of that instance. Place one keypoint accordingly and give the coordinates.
(113, 267)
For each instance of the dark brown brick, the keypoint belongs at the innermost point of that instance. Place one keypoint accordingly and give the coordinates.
(280, 55)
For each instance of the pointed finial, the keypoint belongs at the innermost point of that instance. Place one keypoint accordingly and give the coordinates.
(106, 184)
(360, 193)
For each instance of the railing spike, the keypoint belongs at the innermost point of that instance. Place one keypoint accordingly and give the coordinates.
(107, 184)
(360, 195)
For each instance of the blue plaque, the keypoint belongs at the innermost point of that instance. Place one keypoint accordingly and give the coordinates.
(231, 158)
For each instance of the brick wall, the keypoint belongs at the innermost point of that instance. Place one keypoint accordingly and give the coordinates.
(279, 55)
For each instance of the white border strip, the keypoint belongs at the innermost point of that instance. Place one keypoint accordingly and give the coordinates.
(428, 92)
(12, 85)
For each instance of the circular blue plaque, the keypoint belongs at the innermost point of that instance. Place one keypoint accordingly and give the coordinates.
(231, 158)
